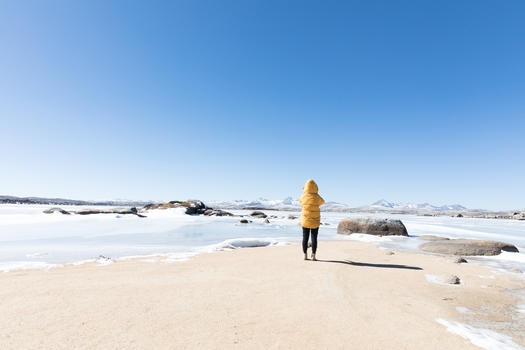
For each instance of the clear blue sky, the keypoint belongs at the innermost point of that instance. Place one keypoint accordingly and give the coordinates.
(404, 100)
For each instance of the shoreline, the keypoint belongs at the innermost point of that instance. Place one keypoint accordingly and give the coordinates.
(255, 293)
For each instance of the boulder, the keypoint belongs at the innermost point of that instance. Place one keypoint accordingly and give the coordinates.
(467, 247)
(372, 226)
(432, 238)
(258, 214)
(56, 210)
(292, 217)
(193, 207)
(459, 215)
(216, 212)
(448, 279)
(244, 221)
(456, 260)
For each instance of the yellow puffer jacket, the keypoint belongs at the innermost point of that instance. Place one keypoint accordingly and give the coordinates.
(311, 201)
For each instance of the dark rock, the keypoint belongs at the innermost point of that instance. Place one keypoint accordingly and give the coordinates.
(291, 217)
(459, 215)
(372, 226)
(216, 212)
(244, 221)
(467, 247)
(56, 210)
(258, 214)
(193, 207)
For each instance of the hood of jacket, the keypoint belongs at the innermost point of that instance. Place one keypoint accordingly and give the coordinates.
(310, 187)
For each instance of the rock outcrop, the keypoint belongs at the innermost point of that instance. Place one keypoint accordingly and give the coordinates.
(56, 210)
(121, 211)
(258, 214)
(216, 212)
(90, 211)
(432, 238)
(467, 247)
(372, 226)
(193, 207)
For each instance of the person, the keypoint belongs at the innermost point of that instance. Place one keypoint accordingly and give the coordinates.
(310, 215)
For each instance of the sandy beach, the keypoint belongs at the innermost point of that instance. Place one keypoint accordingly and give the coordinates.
(355, 297)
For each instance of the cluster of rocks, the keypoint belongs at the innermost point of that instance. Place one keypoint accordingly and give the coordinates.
(258, 215)
(372, 226)
(512, 215)
(193, 207)
(453, 249)
(433, 244)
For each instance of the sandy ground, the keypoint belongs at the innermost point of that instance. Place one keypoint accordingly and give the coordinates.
(356, 297)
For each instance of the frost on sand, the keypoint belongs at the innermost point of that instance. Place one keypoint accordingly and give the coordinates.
(481, 337)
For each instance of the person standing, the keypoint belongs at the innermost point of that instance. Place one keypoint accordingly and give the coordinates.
(310, 216)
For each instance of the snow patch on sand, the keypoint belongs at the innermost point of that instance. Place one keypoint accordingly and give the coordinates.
(27, 265)
(464, 310)
(247, 243)
(434, 279)
(481, 337)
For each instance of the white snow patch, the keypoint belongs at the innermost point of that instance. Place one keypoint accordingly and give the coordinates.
(247, 243)
(484, 338)
(27, 265)
(433, 279)
(464, 310)
(37, 255)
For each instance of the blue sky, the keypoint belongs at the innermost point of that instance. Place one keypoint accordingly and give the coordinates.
(404, 100)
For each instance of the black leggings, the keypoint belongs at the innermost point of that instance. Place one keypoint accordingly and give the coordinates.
(306, 234)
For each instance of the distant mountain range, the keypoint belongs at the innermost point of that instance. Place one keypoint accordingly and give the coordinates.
(288, 203)
(384, 204)
(293, 204)
(62, 201)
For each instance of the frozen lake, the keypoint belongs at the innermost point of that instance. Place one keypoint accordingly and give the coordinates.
(30, 238)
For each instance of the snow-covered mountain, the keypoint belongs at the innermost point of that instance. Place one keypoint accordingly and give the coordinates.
(279, 204)
(293, 204)
(384, 204)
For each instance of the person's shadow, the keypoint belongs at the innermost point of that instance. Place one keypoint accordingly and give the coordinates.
(386, 266)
